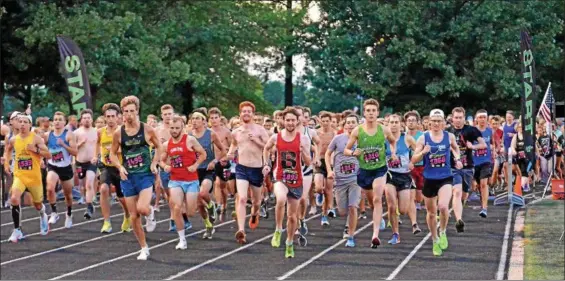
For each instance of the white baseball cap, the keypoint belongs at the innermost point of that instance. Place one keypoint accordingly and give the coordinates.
(26, 116)
(14, 114)
(437, 112)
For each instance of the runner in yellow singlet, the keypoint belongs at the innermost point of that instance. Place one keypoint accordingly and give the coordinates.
(29, 148)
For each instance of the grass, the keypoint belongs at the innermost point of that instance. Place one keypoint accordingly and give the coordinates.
(544, 255)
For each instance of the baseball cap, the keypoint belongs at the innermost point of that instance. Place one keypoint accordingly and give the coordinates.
(14, 114)
(437, 113)
(26, 116)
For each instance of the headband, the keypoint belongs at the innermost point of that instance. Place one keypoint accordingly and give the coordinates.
(199, 115)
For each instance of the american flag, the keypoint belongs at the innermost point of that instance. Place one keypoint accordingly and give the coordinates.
(547, 105)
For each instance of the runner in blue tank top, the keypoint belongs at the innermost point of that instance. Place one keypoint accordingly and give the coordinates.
(482, 159)
(509, 130)
(400, 189)
(435, 148)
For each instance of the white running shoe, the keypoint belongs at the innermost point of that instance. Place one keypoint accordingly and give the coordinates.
(181, 245)
(44, 224)
(68, 221)
(143, 254)
(16, 236)
(53, 218)
(313, 210)
(150, 223)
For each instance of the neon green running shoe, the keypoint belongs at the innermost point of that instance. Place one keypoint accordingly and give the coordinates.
(437, 249)
(443, 241)
(289, 253)
(276, 241)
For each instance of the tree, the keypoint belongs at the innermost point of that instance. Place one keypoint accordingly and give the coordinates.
(418, 54)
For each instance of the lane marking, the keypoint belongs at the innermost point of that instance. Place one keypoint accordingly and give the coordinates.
(227, 254)
(504, 250)
(137, 252)
(321, 254)
(516, 264)
(59, 213)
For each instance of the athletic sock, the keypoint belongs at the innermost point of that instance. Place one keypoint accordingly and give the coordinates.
(42, 210)
(69, 210)
(90, 207)
(54, 208)
(185, 217)
(16, 216)
(181, 234)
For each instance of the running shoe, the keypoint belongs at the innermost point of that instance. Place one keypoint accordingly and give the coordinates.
(483, 213)
(16, 236)
(388, 224)
(363, 216)
(460, 226)
(437, 249)
(172, 226)
(276, 241)
(106, 227)
(319, 199)
(143, 254)
(89, 213)
(332, 213)
(313, 210)
(375, 242)
(418, 206)
(303, 227)
(416, 229)
(289, 252)
(383, 224)
(325, 221)
(527, 188)
(126, 225)
(187, 225)
(181, 245)
(150, 222)
(240, 237)
(81, 201)
(350, 243)
(395, 239)
(233, 215)
(53, 218)
(443, 241)
(210, 230)
(263, 210)
(399, 220)
(302, 241)
(474, 197)
(68, 221)
(253, 222)
(211, 211)
(44, 224)
(346, 233)
(157, 208)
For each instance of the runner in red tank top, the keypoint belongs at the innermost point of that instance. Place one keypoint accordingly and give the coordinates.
(292, 150)
(179, 159)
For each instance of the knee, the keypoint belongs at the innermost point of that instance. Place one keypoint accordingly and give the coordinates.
(457, 193)
(177, 209)
(377, 199)
(15, 200)
(242, 199)
(143, 210)
(293, 219)
(104, 190)
(443, 207)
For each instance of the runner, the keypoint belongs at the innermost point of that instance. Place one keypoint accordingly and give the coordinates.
(249, 140)
(206, 174)
(482, 159)
(520, 161)
(465, 136)
(109, 174)
(180, 151)
(86, 159)
(137, 172)
(412, 119)
(370, 138)
(292, 149)
(222, 168)
(324, 187)
(436, 147)
(62, 146)
(509, 130)
(345, 169)
(28, 149)
(400, 191)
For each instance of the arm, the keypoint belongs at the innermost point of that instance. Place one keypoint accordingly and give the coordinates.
(352, 140)
(391, 140)
(8, 155)
(98, 142)
(306, 159)
(164, 156)
(72, 147)
(198, 149)
(513, 145)
(116, 141)
(328, 156)
(42, 149)
(455, 148)
(216, 141)
(418, 151)
(156, 145)
(233, 146)
(267, 150)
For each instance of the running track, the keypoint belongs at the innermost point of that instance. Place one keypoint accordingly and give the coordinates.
(83, 253)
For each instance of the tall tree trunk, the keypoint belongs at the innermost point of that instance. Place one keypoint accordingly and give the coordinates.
(93, 95)
(187, 98)
(288, 63)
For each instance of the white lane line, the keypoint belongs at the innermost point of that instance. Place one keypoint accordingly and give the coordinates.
(503, 252)
(35, 218)
(68, 246)
(137, 252)
(61, 228)
(321, 254)
(180, 274)
(9, 209)
(411, 255)
(516, 264)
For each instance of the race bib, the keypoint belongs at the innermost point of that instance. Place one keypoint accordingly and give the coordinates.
(25, 164)
(437, 161)
(176, 161)
(57, 156)
(394, 163)
(227, 173)
(79, 170)
(347, 168)
(371, 156)
(134, 161)
(463, 157)
(521, 154)
(107, 159)
(289, 176)
(481, 152)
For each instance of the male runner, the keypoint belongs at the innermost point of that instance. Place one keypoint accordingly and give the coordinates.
(436, 147)
(62, 146)
(222, 168)
(509, 130)
(345, 169)
(399, 188)
(249, 139)
(206, 174)
(293, 153)
(412, 118)
(109, 174)
(86, 159)
(482, 159)
(28, 149)
(370, 138)
(137, 172)
(180, 152)
(465, 136)
(324, 187)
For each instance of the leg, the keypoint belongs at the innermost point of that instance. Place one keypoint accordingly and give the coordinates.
(281, 192)
(52, 179)
(484, 192)
(242, 187)
(176, 199)
(329, 195)
(105, 201)
(307, 183)
(444, 196)
(378, 189)
(392, 204)
(68, 192)
(131, 203)
(412, 214)
(292, 220)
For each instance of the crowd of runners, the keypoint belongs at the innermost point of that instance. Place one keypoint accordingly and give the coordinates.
(340, 164)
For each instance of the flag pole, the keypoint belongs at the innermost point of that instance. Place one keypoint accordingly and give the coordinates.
(548, 128)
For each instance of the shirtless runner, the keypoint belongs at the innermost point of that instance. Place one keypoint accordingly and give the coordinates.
(324, 187)
(86, 158)
(221, 168)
